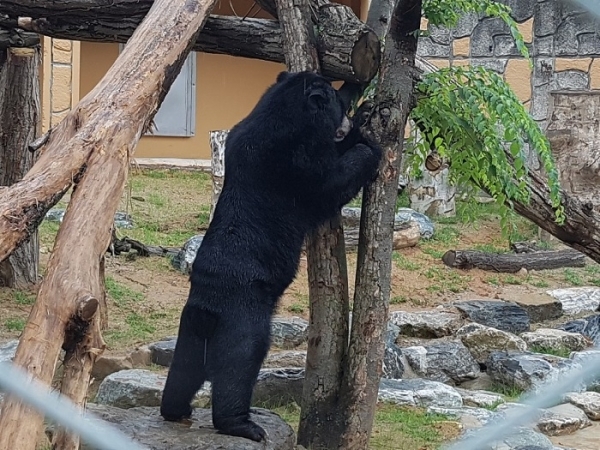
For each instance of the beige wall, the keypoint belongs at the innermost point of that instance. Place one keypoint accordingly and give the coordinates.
(226, 89)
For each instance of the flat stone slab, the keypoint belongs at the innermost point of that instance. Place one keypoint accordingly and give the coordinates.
(145, 426)
(505, 316)
(577, 300)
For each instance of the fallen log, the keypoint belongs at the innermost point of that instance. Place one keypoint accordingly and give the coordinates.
(92, 146)
(347, 48)
(512, 263)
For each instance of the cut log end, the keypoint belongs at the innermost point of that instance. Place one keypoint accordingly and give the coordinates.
(87, 307)
(366, 56)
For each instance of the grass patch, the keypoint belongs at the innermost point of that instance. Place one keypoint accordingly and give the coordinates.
(562, 352)
(14, 324)
(572, 277)
(490, 248)
(23, 298)
(402, 262)
(121, 294)
(395, 428)
(540, 283)
(511, 393)
(446, 280)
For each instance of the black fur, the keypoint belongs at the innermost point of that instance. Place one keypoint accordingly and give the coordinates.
(285, 175)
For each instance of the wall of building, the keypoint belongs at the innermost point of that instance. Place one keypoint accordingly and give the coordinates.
(226, 89)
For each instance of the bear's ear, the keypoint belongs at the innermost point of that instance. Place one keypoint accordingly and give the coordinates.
(283, 76)
(316, 98)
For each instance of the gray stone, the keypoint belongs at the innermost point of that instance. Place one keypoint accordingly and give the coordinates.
(546, 20)
(426, 324)
(121, 219)
(577, 300)
(589, 44)
(137, 387)
(446, 361)
(521, 10)
(572, 79)
(276, 387)
(551, 339)
(562, 419)
(505, 316)
(468, 416)
(484, 36)
(526, 371)
(480, 399)
(522, 438)
(147, 427)
(539, 306)
(482, 383)
(407, 215)
(440, 35)
(420, 393)
(504, 45)
(285, 358)
(589, 402)
(107, 364)
(498, 65)
(288, 332)
(185, 258)
(141, 356)
(8, 350)
(565, 37)
(393, 359)
(465, 26)
(482, 341)
(543, 46)
(428, 48)
(588, 326)
(161, 352)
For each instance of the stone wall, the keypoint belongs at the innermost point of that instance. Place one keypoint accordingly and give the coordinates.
(60, 86)
(563, 41)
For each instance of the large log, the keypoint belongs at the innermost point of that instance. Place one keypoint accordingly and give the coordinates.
(92, 145)
(347, 48)
(512, 263)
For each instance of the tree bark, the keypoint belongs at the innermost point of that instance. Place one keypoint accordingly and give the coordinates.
(18, 39)
(93, 144)
(393, 100)
(217, 150)
(19, 125)
(512, 263)
(347, 48)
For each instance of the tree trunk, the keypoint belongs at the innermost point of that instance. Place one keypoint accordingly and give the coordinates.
(393, 100)
(99, 134)
(512, 263)
(217, 150)
(347, 48)
(19, 121)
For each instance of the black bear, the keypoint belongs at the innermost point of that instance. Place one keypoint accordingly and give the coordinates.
(290, 166)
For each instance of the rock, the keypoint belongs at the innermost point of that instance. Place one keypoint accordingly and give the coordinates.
(482, 341)
(105, 365)
(418, 392)
(562, 419)
(404, 215)
(138, 387)
(505, 316)
(276, 387)
(592, 380)
(393, 359)
(161, 352)
(482, 383)
(468, 416)
(185, 258)
(8, 350)
(147, 427)
(588, 326)
(526, 370)
(288, 332)
(285, 358)
(589, 402)
(524, 439)
(550, 339)
(141, 356)
(426, 324)
(121, 219)
(540, 307)
(577, 300)
(443, 361)
(480, 399)
(407, 237)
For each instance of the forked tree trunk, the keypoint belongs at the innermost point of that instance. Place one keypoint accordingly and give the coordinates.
(393, 102)
(19, 125)
(217, 151)
(100, 134)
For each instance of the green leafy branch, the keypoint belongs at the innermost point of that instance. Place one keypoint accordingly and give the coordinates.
(470, 116)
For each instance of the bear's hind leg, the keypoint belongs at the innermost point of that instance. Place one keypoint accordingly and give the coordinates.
(240, 352)
(187, 372)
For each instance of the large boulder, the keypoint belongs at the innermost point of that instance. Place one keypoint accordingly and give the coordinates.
(426, 324)
(420, 393)
(145, 426)
(288, 332)
(557, 340)
(588, 326)
(505, 316)
(482, 341)
(578, 299)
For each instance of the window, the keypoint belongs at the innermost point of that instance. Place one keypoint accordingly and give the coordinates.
(177, 115)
